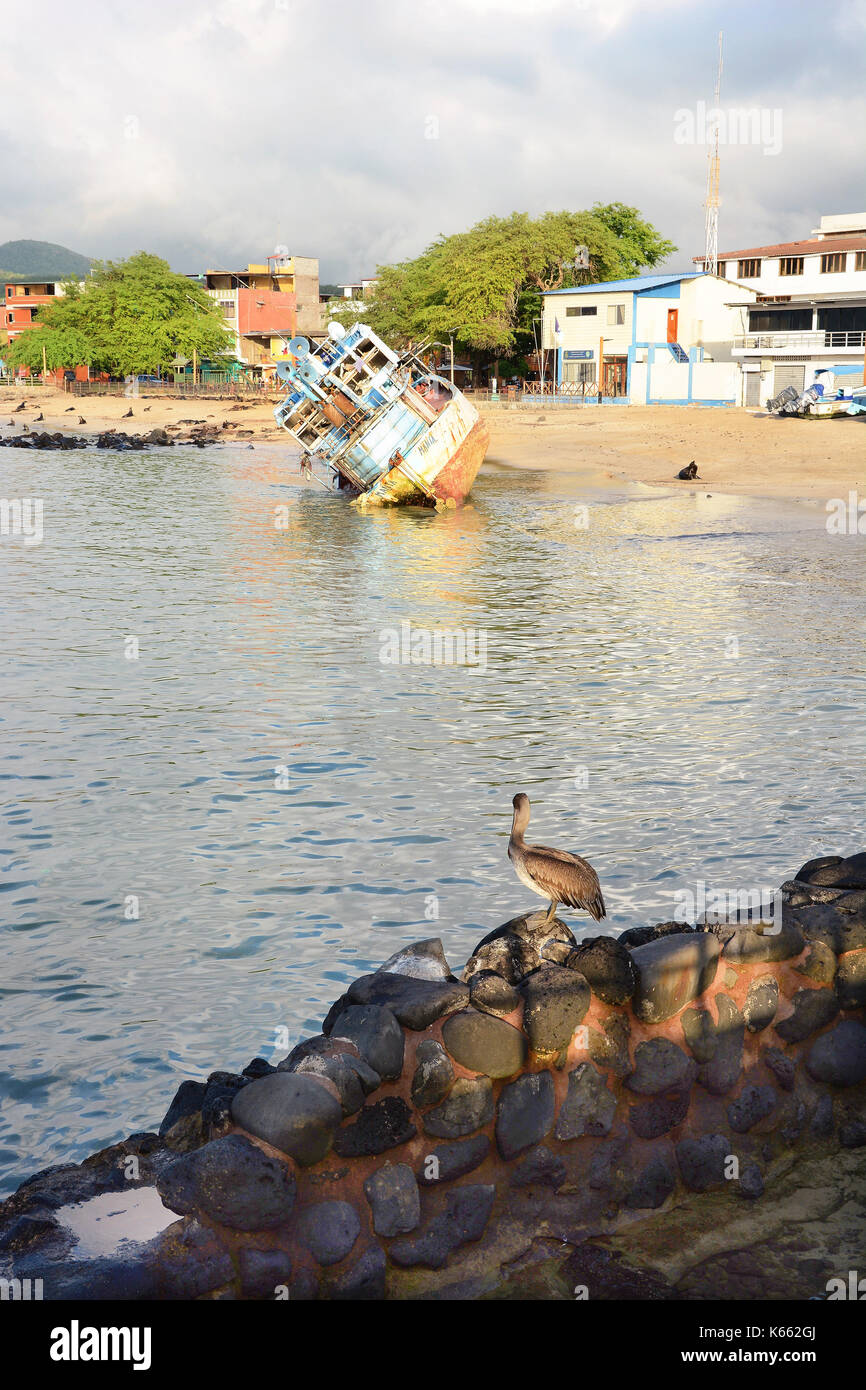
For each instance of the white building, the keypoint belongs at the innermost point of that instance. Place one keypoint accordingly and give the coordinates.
(650, 339)
(811, 309)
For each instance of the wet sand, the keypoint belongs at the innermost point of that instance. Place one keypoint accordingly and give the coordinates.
(744, 452)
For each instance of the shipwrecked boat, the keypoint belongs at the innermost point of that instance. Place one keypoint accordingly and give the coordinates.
(378, 425)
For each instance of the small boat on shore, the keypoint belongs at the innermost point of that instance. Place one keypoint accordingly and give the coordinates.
(379, 425)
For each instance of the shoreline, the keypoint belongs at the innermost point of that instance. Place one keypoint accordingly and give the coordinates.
(739, 452)
(706, 1075)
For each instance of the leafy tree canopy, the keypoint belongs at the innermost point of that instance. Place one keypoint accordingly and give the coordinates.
(484, 285)
(132, 316)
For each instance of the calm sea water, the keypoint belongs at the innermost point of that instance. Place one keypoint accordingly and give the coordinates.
(677, 685)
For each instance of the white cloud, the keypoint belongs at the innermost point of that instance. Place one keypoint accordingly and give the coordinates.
(209, 132)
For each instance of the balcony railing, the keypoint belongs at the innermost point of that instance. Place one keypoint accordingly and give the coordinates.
(802, 341)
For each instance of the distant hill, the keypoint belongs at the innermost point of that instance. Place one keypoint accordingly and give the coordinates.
(19, 258)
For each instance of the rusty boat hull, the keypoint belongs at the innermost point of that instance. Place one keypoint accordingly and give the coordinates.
(378, 425)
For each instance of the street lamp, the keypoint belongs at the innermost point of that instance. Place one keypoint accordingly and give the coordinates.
(451, 341)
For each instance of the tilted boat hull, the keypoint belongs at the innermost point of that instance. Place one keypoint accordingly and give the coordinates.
(382, 427)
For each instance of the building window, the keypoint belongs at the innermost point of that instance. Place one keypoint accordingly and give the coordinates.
(790, 265)
(833, 264)
(860, 260)
(228, 307)
(580, 310)
(615, 313)
(749, 270)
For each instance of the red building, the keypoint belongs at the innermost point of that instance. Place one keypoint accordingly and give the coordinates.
(22, 301)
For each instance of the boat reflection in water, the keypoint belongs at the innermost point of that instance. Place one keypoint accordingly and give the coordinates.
(380, 426)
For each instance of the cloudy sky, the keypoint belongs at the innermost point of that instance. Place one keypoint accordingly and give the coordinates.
(359, 130)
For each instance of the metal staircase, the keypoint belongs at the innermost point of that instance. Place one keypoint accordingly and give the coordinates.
(680, 355)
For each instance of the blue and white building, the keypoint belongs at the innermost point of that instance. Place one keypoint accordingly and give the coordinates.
(648, 340)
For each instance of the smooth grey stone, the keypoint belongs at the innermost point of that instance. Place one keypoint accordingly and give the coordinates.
(492, 994)
(721, 1073)
(753, 1104)
(607, 966)
(782, 1067)
(188, 1099)
(848, 873)
(263, 1271)
(813, 1009)
(453, 1160)
(751, 947)
(233, 1182)
(414, 1003)
(328, 1230)
(433, 1073)
(671, 972)
(660, 1066)
(702, 1161)
(812, 865)
(609, 1049)
(589, 1107)
(364, 1281)
(751, 1181)
(640, 936)
(467, 1211)
(762, 1003)
(377, 1035)
(659, 1115)
(525, 1113)
(423, 960)
(467, 1107)
(820, 963)
(394, 1199)
(653, 1187)
(841, 931)
(294, 1113)
(700, 1033)
(384, 1125)
(484, 1044)
(839, 1056)
(352, 1076)
(540, 1168)
(850, 983)
(556, 1000)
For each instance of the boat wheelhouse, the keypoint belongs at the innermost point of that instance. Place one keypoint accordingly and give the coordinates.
(380, 425)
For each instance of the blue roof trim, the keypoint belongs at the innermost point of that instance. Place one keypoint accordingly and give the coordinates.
(637, 283)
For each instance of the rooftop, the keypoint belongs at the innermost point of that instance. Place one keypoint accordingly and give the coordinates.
(811, 246)
(635, 282)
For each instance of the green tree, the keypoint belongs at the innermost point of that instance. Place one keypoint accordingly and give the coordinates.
(484, 285)
(131, 316)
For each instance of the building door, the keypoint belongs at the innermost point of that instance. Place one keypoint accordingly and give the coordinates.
(788, 374)
(615, 376)
(673, 317)
(753, 388)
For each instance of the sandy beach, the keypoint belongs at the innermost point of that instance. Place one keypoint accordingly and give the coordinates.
(744, 452)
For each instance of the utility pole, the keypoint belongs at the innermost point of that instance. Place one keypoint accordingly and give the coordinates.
(451, 341)
(711, 206)
(44, 365)
(194, 366)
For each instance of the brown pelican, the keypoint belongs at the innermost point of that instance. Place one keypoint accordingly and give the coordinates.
(553, 873)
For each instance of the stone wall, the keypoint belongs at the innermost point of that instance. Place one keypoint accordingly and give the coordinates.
(617, 1118)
